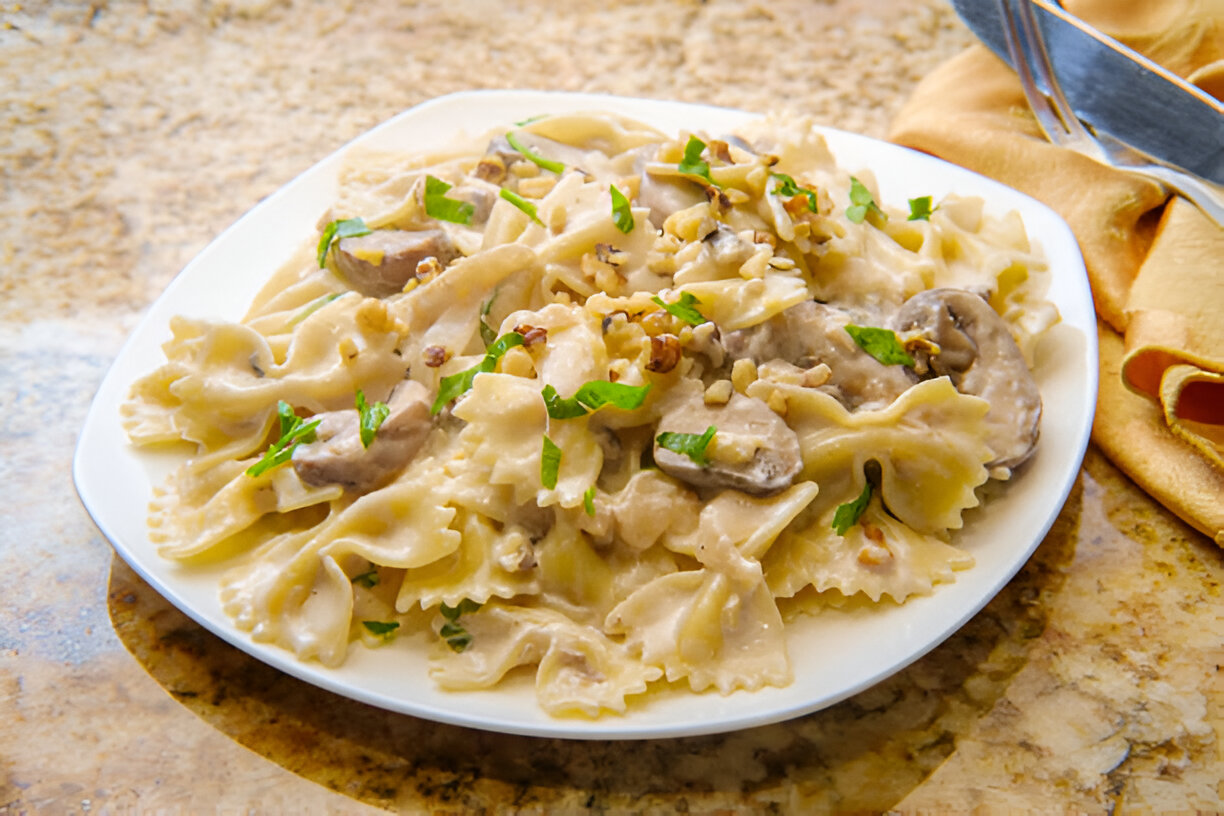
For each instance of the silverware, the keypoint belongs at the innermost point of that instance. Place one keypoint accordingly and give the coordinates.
(1030, 56)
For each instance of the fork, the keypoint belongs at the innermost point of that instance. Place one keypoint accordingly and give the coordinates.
(1063, 128)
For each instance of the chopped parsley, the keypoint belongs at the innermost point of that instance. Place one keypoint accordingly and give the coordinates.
(372, 417)
(550, 463)
(592, 396)
(861, 202)
(788, 187)
(881, 344)
(293, 431)
(920, 209)
(683, 308)
(693, 164)
(343, 228)
(848, 514)
(621, 215)
(531, 119)
(452, 631)
(455, 385)
(368, 579)
(314, 306)
(546, 164)
(522, 203)
(588, 501)
(691, 445)
(438, 206)
(383, 629)
(487, 335)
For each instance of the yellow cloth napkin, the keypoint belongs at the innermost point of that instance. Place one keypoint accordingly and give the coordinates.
(1156, 264)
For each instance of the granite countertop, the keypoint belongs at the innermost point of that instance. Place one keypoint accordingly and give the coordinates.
(133, 133)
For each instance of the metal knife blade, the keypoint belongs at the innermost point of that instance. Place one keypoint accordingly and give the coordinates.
(1117, 90)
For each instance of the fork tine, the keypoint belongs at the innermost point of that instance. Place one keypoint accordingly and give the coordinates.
(1026, 46)
(1051, 109)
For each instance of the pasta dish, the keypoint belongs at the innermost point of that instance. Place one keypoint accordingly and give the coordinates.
(599, 403)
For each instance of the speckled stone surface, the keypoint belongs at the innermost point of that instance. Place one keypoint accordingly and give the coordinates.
(132, 134)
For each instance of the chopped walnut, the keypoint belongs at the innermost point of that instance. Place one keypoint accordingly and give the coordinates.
(720, 150)
(532, 334)
(719, 393)
(664, 353)
(610, 254)
(491, 169)
(743, 374)
(428, 268)
(435, 356)
(874, 553)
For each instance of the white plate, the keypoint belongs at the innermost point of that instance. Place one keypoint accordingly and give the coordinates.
(834, 655)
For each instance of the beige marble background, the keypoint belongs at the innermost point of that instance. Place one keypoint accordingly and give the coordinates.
(132, 133)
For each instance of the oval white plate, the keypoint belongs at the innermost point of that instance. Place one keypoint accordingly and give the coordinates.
(834, 655)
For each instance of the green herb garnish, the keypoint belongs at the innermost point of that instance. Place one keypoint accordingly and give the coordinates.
(369, 579)
(383, 629)
(522, 203)
(861, 202)
(452, 631)
(343, 228)
(848, 514)
(550, 463)
(547, 164)
(292, 433)
(438, 206)
(881, 344)
(487, 335)
(312, 307)
(621, 215)
(592, 396)
(788, 187)
(693, 164)
(456, 384)
(683, 308)
(588, 501)
(920, 209)
(531, 119)
(691, 445)
(372, 416)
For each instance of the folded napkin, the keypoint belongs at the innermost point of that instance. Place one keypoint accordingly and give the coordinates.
(1155, 263)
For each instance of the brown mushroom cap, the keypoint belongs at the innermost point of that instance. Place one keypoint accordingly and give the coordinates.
(771, 467)
(380, 263)
(338, 457)
(978, 353)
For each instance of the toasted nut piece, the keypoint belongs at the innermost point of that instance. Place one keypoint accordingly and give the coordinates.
(491, 169)
(664, 353)
(719, 392)
(532, 334)
(610, 254)
(743, 374)
(537, 187)
(435, 356)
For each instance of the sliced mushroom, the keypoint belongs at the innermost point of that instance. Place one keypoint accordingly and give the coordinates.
(754, 451)
(978, 353)
(338, 457)
(666, 194)
(811, 333)
(380, 263)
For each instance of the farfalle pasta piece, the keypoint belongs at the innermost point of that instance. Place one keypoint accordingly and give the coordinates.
(488, 563)
(703, 626)
(878, 556)
(579, 670)
(929, 444)
(284, 593)
(200, 508)
(507, 421)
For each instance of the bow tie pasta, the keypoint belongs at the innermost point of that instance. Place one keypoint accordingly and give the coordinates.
(593, 399)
